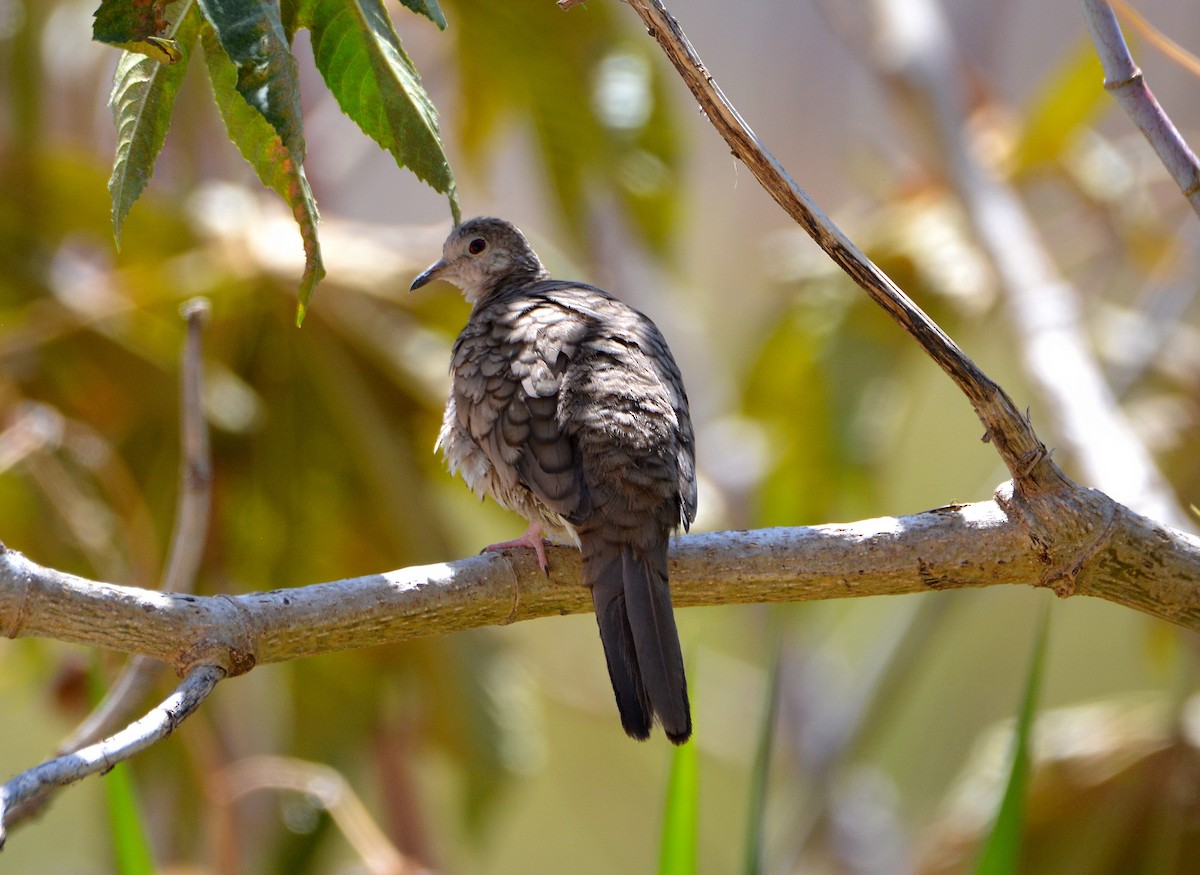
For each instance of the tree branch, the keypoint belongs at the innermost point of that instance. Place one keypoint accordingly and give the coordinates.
(1078, 543)
(1010, 433)
(187, 538)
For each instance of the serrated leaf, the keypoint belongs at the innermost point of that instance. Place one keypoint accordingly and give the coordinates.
(428, 8)
(142, 100)
(128, 21)
(357, 51)
(268, 77)
(274, 163)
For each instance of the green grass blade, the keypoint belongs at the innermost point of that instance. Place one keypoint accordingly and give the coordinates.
(130, 847)
(357, 51)
(143, 98)
(262, 147)
(761, 771)
(267, 75)
(1001, 852)
(681, 814)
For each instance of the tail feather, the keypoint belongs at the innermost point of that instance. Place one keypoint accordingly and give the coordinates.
(641, 643)
(602, 572)
(656, 639)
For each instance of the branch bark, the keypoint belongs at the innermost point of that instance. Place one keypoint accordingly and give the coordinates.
(1079, 543)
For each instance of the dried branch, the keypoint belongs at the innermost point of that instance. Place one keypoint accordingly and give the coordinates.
(102, 756)
(1010, 433)
(139, 674)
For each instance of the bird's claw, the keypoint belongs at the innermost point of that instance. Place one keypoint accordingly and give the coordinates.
(531, 539)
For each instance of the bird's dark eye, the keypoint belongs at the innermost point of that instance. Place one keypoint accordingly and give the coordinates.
(477, 246)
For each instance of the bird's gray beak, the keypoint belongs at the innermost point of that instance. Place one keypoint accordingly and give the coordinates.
(429, 275)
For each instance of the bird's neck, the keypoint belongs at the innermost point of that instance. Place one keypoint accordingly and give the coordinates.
(511, 281)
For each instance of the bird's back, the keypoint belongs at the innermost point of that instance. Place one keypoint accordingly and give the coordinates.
(578, 394)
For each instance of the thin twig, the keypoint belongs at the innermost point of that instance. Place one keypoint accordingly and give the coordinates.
(100, 758)
(139, 674)
(331, 791)
(1125, 80)
(1157, 38)
(187, 538)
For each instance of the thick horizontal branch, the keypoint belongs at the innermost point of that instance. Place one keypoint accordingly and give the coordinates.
(1078, 542)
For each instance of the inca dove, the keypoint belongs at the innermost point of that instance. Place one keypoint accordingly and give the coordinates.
(567, 407)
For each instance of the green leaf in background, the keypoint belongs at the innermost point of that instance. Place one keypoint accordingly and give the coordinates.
(1001, 853)
(428, 8)
(274, 163)
(268, 77)
(594, 100)
(143, 97)
(1069, 97)
(681, 814)
(357, 51)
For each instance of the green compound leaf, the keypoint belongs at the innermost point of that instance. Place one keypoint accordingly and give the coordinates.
(274, 163)
(268, 77)
(357, 51)
(143, 97)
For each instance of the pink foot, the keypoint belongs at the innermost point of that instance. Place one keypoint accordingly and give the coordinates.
(532, 538)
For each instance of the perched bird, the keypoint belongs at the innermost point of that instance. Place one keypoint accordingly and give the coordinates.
(568, 408)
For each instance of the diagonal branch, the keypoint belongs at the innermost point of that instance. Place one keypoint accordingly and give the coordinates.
(1010, 433)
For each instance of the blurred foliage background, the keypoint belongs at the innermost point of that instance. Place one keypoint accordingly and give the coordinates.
(499, 750)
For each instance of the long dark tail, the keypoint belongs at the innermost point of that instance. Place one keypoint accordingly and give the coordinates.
(641, 643)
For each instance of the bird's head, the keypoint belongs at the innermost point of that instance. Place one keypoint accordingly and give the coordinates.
(483, 254)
